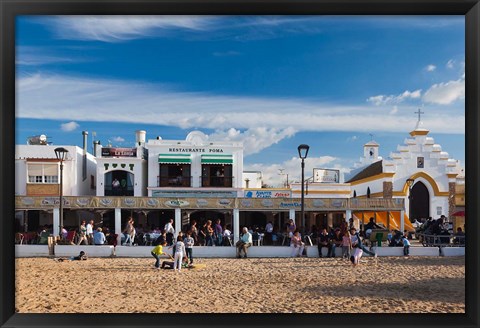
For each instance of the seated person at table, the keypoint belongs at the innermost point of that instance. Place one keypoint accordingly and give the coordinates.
(244, 242)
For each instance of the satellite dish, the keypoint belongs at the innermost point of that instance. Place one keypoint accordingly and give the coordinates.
(37, 140)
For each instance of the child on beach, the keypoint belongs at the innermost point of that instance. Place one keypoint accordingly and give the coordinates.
(357, 250)
(406, 246)
(170, 264)
(80, 257)
(346, 245)
(189, 241)
(179, 253)
(156, 252)
(297, 245)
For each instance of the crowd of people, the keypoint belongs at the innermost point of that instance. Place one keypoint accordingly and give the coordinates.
(328, 239)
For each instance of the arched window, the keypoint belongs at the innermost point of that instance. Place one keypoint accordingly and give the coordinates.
(368, 192)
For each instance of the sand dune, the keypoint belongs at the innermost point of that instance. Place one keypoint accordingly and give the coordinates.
(271, 285)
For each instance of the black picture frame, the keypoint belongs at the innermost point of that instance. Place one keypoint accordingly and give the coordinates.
(9, 9)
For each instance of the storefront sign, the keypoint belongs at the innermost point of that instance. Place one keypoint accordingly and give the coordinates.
(119, 152)
(267, 194)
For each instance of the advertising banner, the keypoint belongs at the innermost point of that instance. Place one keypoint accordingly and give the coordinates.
(119, 152)
(326, 175)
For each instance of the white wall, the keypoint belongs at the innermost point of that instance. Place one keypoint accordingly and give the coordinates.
(73, 185)
(194, 140)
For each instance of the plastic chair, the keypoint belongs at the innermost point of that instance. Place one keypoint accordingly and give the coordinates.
(70, 239)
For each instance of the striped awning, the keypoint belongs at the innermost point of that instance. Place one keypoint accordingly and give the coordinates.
(174, 159)
(217, 159)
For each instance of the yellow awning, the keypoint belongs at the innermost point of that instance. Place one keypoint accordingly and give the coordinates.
(381, 217)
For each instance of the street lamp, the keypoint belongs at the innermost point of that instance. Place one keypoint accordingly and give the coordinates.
(410, 184)
(302, 153)
(61, 154)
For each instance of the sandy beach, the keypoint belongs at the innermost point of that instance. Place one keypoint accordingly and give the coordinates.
(271, 285)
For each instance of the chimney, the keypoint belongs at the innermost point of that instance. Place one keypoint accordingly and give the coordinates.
(140, 137)
(84, 164)
(96, 145)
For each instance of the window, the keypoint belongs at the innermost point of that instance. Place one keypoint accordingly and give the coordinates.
(420, 162)
(42, 173)
(174, 175)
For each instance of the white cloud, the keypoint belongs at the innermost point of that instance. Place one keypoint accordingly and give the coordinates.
(123, 28)
(394, 99)
(450, 63)
(69, 127)
(291, 167)
(118, 139)
(33, 56)
(120, 28)
(394, 110)
(352, 138)
(430, 68)
(82, 99)
(446, 93)
(254, 139)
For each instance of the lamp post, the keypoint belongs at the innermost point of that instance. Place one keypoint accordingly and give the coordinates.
(61, 154)
(302, 153)
(410, 184)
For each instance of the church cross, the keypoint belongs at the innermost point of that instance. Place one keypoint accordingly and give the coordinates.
(371, 136)
(419, 113)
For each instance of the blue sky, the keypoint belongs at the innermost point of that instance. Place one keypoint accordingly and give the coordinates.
(272, 82)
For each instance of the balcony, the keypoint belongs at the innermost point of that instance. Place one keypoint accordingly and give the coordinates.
(217, 182)
(127, 191)
(174, 181)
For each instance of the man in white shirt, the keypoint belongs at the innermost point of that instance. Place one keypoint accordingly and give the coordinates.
(244, 243)
(90, 232)
(170, 231)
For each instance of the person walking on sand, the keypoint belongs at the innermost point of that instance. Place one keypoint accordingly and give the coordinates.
(156, 252)
(179, 253)
(297, 245)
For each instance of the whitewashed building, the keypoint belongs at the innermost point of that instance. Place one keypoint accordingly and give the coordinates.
(37, 173)
(122, 171)
(433, 176)
(194, 167)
